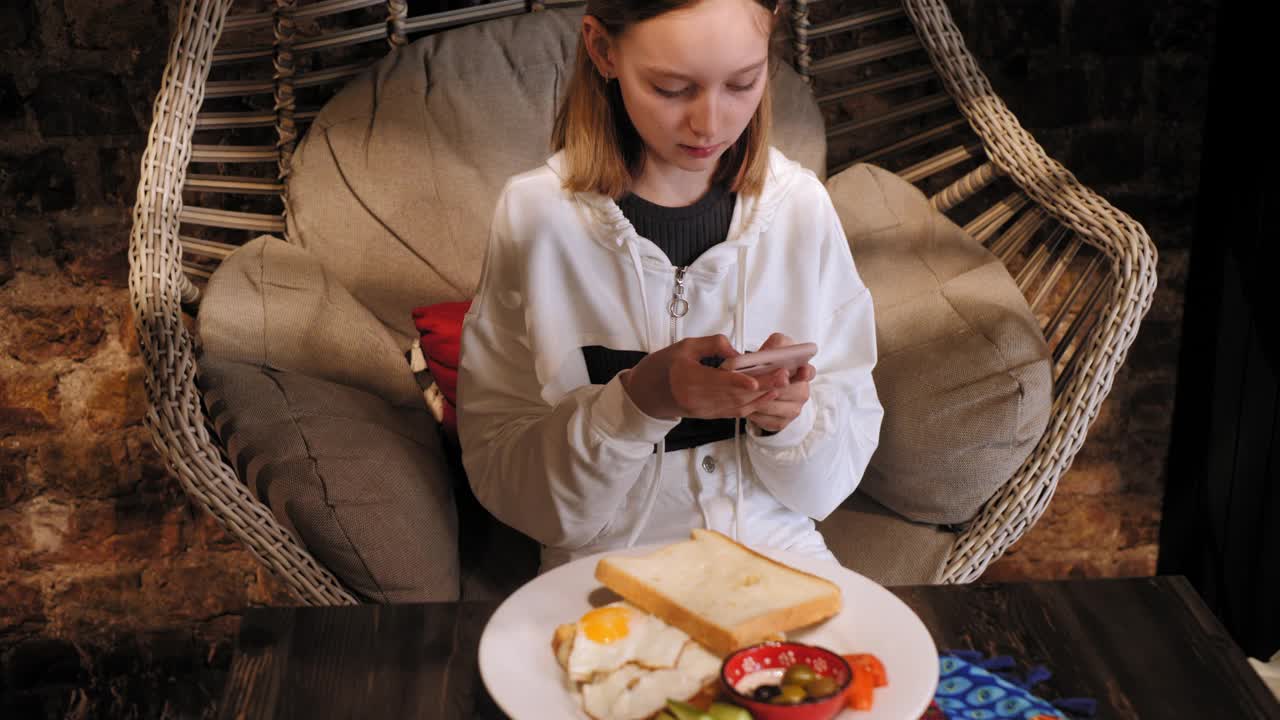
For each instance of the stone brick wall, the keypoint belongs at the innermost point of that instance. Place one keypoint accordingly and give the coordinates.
(111, 585)
(109, 581)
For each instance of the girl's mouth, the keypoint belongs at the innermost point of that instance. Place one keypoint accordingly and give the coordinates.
(700, 151)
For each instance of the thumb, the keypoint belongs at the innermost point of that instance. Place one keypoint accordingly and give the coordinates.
(712, 346)
(776, 340)
(805, 374)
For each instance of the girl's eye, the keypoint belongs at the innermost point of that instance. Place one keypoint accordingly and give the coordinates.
(743, 88)
(671, 93)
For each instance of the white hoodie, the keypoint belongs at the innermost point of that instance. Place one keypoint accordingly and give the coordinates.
(572, 464)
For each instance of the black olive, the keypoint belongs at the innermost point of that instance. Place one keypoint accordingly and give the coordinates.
(765, 693)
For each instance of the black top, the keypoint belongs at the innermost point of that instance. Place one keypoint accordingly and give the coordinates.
(686, 232)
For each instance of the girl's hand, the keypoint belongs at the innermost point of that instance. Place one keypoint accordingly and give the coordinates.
(791, 395)
(674, 383)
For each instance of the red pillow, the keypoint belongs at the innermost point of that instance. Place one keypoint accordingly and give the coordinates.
(440, 328)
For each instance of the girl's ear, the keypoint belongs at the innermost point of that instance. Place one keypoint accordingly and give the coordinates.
(599, 45)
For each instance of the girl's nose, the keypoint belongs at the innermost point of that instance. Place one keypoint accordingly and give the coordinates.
(703, 116)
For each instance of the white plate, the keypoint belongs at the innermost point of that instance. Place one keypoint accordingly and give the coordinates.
(522, 675)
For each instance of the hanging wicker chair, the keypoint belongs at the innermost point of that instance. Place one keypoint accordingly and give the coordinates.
(213, 178)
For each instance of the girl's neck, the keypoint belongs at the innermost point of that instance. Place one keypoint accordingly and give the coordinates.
(670, 186)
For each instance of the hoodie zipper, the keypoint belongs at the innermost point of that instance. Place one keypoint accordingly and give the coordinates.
(679, 306)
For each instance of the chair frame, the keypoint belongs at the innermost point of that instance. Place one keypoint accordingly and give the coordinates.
(1090, 332)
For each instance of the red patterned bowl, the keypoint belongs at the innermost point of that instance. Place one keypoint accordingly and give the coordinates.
(771, 659)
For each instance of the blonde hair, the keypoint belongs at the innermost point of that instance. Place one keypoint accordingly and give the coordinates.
(604, 153)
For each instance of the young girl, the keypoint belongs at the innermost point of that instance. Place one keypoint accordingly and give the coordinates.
(592, 414)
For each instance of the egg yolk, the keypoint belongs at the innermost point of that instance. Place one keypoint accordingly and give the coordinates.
(605, 625)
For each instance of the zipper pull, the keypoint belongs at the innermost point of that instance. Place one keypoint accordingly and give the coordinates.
(679, 307)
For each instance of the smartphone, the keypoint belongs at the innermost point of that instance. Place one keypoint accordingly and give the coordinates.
(762, 362)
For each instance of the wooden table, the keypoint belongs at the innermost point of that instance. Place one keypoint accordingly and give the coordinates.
(1143, 648)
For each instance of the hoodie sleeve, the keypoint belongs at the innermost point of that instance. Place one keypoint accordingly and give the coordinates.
(557, 473)
(817, 461)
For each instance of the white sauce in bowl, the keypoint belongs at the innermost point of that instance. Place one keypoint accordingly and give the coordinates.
(751, 681)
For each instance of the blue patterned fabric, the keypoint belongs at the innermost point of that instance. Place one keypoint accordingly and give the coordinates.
(971, 691)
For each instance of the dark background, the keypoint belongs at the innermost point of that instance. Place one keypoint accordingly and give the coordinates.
(1223, 495)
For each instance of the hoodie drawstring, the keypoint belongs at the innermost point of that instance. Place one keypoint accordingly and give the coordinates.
(644, 295)
(651, 497)
(740, 328)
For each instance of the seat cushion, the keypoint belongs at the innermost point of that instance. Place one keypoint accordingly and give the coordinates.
(274, 304)
(363, 485)
(963, 371)
(393, 187)
(870, 539)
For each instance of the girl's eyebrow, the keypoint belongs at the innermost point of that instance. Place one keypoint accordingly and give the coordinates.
(680, 76)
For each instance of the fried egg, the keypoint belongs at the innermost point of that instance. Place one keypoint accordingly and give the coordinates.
(609, 637)
(632, 692)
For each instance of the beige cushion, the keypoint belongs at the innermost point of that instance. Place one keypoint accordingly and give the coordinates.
(963, 370)
(364, 486)
(394, 186)
(274, 304)
(878, 543)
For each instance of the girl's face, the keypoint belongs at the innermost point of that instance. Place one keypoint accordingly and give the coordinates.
(691, 78)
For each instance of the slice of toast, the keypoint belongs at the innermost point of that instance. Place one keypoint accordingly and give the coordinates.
(723, 594)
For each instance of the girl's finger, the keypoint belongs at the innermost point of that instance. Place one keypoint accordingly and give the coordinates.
(735, 381)
(755, 405)
(776, 340)
(721, 347)
(772, 423)
(794, 393)
(775, 380)
(779, 379)
(780, 408)
(775, 415)
(773, 341)
(804, 374)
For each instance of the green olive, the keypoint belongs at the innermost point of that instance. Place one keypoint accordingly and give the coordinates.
(725, 711)
(821, 686)
(684, 711)
(791, 695)
(798, 674)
